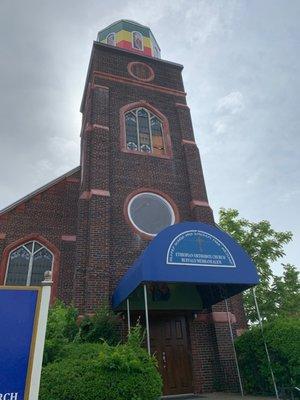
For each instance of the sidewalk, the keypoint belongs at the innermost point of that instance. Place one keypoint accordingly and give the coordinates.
(231, 396)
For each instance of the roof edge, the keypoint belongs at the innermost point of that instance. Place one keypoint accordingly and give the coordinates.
(124, 20)
(118, 49)
(115, 48)
(39, 190)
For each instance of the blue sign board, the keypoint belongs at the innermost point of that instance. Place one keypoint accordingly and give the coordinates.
(198, 248)
(18, 309)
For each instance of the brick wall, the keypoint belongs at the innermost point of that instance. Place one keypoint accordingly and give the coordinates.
(50, 214)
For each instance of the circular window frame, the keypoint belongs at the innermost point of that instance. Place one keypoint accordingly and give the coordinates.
(133, 63)
(162, 196)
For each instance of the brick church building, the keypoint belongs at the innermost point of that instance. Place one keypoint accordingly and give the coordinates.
(140, 179)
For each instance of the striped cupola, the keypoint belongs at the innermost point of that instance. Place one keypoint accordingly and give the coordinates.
(131, 36)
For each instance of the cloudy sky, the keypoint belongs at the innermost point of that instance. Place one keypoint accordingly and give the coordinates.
(242, 75)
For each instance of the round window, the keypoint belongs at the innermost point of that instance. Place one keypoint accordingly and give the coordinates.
(140, 71)
(150, 213)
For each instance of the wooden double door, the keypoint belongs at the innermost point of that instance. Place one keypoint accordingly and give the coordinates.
(170, 343)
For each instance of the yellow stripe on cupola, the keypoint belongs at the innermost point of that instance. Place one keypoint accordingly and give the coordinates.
(125, 35)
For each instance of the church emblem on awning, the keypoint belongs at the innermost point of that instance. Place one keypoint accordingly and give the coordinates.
(200, 249)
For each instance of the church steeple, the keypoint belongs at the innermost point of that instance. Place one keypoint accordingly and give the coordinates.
(132, 36)
(138, 155)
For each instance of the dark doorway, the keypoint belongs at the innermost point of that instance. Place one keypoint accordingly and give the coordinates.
(170, 344)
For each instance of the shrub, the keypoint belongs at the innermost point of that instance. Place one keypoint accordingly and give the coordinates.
(283, 341)
(62, 321)
(61, 329)
(102, 372)
(103, 325)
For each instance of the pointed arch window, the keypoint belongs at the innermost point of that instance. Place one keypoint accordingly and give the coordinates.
(137, 41)
(111, 39)
(27, 264)
(144, 132)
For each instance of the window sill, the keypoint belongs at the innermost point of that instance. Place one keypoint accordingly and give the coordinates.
(139, 153)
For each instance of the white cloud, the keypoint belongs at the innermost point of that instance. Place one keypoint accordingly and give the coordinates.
(290, 195)
(220, 126)
(232, 103)
(228, 108)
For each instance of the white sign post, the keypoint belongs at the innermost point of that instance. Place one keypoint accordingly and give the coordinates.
(40, 338)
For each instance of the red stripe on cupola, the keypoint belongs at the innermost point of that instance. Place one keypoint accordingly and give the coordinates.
(124, 44)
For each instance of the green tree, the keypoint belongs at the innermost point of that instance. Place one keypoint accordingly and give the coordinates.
(283, 337)
(276, 295)
(285, 292)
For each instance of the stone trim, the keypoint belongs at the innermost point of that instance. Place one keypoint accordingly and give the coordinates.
(216, 317)
(131, 81)
(182, 105)
(185, 141)
(221, 316)
(96, 86)
(93, 127)
(87, 194)
(99, 192)
(199, 203)
(68, 238)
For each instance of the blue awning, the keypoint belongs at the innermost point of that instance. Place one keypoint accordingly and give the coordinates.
(191, 253)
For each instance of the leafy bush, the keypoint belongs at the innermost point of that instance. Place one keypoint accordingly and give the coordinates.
(61, 329)
(103, 325)
(62, 321)
(82, 351)
(283, 341)
(99, 371)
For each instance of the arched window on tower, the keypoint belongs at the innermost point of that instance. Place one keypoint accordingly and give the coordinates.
(111, 39)
(144, 132)
(27, 264)
(137, 41)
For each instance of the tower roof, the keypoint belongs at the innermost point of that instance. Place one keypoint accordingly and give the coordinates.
(130, 35)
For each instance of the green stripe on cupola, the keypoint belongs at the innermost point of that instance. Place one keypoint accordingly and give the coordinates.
(126, 25)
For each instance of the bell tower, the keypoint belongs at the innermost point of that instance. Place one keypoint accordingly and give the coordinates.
(140, 173)
(140, 165)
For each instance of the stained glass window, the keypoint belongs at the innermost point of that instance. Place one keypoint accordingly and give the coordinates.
(131, 131)
(144, 132)
(111, 39)
(137, 41)
(27, 264)
(42, 262)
